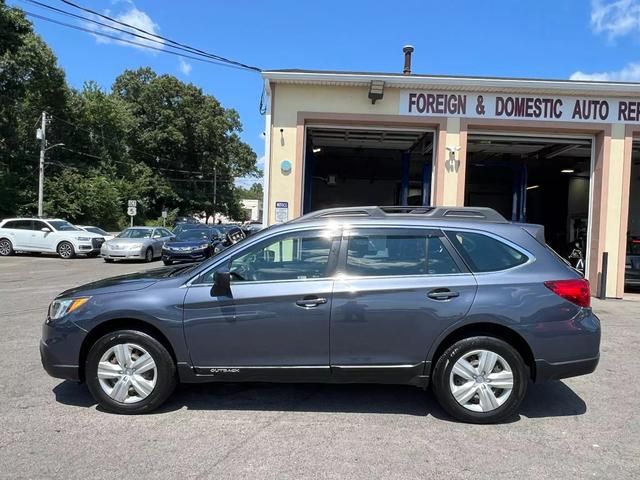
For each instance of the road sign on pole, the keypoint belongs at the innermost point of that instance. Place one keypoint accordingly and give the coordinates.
(165, 213)
(132, 211)
(132, 203)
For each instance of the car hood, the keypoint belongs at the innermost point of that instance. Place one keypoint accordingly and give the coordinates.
(79, 233)
(122, 283)
(189, 244)
(126, 241)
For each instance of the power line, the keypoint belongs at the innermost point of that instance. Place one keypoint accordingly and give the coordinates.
(131, 42)
(202, 52)
(127, 32)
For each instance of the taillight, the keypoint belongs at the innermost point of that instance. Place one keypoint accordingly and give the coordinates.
(576, 290)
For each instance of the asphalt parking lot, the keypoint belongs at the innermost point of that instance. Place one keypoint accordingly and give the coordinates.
(586, 427)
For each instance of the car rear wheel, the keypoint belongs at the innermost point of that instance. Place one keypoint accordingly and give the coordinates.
(6, 248)
(130, 372)
(65, 250)
(480, 380)
(148, 255)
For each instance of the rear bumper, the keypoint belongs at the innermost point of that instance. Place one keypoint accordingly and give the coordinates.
(554, 371)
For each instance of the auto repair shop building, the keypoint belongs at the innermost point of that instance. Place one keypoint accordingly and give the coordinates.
(565, 154)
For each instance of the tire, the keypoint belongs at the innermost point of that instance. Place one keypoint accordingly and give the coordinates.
(6, 248)
(167, 262)
(143, 392)
(148, 255)
(481, 400)
(65, 250)
(108, 260)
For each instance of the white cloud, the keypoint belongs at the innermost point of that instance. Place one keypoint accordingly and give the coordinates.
(615, 18)
(184, 67)
(629, 73)
(260, 162)
(133, 16)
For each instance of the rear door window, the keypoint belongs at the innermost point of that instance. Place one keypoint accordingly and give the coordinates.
(395, 253)
(484, 253)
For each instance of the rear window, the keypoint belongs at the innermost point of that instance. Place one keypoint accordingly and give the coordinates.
(485, 254)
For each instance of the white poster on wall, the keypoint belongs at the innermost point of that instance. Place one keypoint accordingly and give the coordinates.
(282, 212)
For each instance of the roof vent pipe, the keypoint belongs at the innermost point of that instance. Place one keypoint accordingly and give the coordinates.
(408, 50)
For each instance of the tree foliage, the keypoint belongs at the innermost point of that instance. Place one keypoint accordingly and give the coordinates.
(151, 137)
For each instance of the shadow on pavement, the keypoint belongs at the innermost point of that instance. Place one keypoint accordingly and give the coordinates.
(553, 399)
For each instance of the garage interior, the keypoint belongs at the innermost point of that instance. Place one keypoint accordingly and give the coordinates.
(359, 166)
(535, 180)
(632, 260)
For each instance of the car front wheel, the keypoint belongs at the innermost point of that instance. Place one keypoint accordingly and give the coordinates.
(148, 255)
(66, 251)
(6, 248)
(130, 372)
(480, 380)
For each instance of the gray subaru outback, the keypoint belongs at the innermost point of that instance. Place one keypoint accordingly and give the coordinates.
(455, 298)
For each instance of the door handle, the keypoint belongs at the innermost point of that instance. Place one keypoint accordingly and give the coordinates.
(442, 294)
(311, 301)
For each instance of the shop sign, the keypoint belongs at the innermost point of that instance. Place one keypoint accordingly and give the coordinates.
(519, 107)
(282, 212)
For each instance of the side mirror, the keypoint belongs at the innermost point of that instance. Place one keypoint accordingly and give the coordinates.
(45, 229)
(221, 284)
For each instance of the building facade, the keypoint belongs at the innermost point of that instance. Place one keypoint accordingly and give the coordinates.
(558, 153)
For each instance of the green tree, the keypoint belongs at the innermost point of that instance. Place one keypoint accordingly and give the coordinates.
(188, 136)
(30, 83)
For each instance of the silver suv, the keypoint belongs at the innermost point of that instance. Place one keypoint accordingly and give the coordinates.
(47, 236)
(456, 298)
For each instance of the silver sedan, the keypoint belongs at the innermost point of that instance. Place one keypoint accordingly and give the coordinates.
(136, 243)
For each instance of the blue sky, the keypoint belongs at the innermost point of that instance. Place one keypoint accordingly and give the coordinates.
(539, 38)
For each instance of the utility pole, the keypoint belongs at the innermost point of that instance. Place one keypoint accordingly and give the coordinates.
(215, 185)
(43, 149)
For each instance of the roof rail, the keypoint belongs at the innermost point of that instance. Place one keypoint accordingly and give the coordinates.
(482, 214)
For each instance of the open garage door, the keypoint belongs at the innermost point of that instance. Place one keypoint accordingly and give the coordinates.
(544, 180)
(362, 166)
(632, 260)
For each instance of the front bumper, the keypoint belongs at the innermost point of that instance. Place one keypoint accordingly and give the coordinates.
(185, 256)
(136, 254)
(60, 349)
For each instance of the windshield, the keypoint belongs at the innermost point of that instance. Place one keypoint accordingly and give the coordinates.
(96, 230)
(62, 226)
(136, 233)
(194, 235)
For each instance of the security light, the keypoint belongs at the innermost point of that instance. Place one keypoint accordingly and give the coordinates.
(317, 149)
(376, 90)
(533, 187)
(567, 170)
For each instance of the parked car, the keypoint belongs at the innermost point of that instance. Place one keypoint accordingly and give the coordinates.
(193, 245)
(96, 230)
(136, 243)
(251, 228)
(632, 265)
(459, 299)
(47, 236)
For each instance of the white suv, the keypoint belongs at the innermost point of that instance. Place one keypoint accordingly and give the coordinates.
(47, 236)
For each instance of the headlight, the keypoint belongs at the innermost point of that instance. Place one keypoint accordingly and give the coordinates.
(135, 246)
(60, 308)
(204, 245)
(84, 239)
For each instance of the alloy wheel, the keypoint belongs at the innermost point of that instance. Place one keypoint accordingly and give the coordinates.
(127, 373)
(148, 256)
(481, 381)
(65, 250)
(5, 247)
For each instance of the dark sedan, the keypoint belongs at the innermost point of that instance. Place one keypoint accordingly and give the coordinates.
(192, 245)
